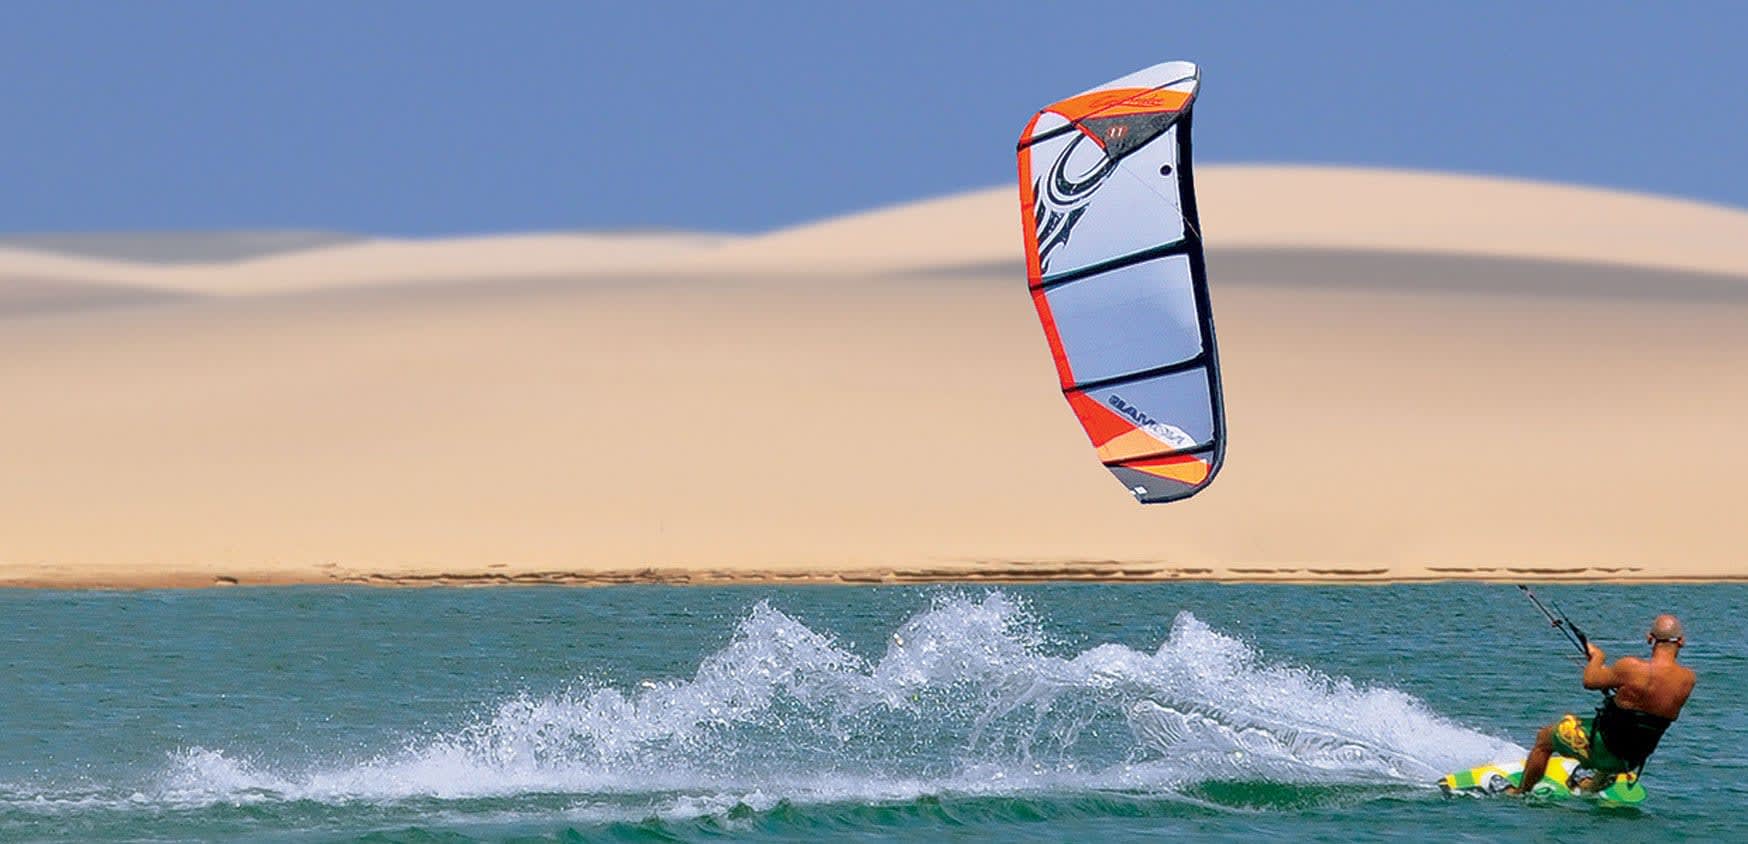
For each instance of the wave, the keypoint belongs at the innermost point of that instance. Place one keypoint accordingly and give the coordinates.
(968, 701)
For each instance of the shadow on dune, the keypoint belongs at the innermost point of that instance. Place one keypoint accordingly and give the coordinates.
(21, 297)
(177, 247)
(1410, 272)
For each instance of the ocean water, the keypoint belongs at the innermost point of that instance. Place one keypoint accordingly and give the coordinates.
(1037, 713)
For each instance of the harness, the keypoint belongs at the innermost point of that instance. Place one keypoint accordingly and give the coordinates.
(1629, 734)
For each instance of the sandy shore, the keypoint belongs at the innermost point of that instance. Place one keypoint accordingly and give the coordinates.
(1440, 377)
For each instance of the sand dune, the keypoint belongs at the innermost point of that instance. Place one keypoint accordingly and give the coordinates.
(870, 399)
(1243, 207)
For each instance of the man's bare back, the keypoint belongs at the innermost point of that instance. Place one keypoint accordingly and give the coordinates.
(1659, 685)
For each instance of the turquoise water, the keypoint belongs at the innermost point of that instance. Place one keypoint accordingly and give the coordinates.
(1054, 713)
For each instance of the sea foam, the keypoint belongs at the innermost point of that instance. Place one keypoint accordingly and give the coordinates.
(968, 698)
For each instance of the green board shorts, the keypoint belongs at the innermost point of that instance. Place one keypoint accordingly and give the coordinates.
(1576, 738)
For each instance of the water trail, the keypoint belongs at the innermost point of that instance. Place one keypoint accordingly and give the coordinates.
(966, 699)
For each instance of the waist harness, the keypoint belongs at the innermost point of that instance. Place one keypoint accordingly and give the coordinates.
(1629, 734)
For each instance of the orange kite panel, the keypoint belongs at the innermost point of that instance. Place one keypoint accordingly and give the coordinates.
(1118, 102)
(1185, 469)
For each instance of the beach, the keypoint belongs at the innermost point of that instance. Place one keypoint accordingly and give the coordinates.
(1427, 377)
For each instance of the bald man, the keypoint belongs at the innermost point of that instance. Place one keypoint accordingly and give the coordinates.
(1648, 696)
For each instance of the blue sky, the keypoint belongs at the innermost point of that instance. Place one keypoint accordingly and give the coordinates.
(433, 117)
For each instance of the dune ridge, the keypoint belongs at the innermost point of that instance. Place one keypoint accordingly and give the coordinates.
(1243, 207)
(868, 399)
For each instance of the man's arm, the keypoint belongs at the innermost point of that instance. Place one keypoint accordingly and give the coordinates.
(1599, 676)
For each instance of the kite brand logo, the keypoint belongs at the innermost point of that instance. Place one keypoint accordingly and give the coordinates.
(1062, 200)
(1169, 434)
(1134, 413)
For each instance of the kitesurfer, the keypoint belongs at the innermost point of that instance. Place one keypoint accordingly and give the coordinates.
(1647, 696)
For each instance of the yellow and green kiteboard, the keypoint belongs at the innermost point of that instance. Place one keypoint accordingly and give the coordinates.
(1562, 782)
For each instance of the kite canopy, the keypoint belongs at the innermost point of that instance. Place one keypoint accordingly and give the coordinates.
(1114, 260)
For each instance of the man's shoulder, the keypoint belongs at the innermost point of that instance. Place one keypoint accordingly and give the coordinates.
(1683, 670)
(1631, 668)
